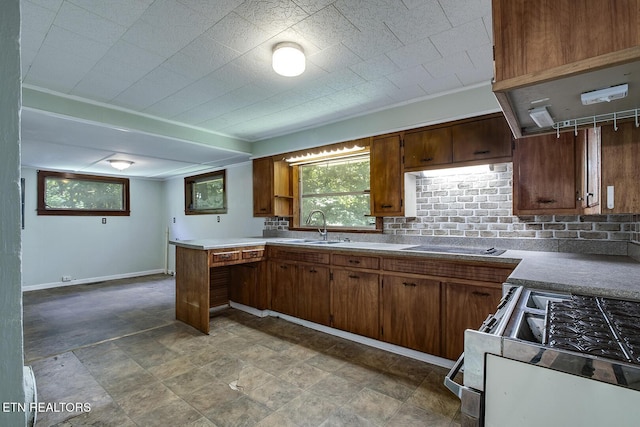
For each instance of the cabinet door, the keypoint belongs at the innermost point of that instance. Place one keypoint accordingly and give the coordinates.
(387, 178)
(243, 284)
(263, 187)
(411, 313)
(620, 160)
(314, 294)
(355, 302)
(544, 175)
(481, 139)
(427, 148)
(284, 295)
(272, 194)
(465, 307)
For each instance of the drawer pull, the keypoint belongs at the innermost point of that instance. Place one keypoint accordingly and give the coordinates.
(386, 206)
(477, 153)
(480, 294)
(546, 201)
(413, 285)
(284, 267)
(427, 159)
(354, 261)
(313, 270)
(353, 276)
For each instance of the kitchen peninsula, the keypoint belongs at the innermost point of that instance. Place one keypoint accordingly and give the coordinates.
(369, 289)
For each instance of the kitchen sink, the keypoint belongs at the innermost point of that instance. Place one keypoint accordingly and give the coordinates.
(312, 241)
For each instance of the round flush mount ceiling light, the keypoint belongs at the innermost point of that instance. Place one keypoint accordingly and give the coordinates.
(120, 164)
(288, 59)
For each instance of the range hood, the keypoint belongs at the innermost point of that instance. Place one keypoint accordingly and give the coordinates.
(560, 91)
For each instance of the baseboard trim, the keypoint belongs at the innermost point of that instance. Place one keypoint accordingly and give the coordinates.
(37, 287)
(402, 351)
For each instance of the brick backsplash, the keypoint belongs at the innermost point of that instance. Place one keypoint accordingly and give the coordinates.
(479, 204)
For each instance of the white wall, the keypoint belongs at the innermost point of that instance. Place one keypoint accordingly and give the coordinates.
(237, 222)
(87, 250)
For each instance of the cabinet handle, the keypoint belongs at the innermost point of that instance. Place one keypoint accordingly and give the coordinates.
(263, 209)
(477, 153)
(386, 206)
(313, 270)
(353, 276)
(426, 159)
(480, 294)
(546, 201)
(413, 285)
(284, 267)
(354, 261)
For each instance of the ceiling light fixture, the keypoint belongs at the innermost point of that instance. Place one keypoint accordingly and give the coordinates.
(604, 95)
(120, 164)
(541, 116)
(288, 59)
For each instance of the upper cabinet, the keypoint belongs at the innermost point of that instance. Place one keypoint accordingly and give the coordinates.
(392, 191)
(272, 194)
(548, 52)
(620, 160)
(462, 143)
(557, 174)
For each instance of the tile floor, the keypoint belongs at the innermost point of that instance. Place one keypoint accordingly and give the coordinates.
(116, 346)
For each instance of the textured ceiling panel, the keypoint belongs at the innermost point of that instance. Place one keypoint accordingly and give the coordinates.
(208, 63)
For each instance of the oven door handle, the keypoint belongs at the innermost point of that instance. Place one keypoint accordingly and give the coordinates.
(453, 386)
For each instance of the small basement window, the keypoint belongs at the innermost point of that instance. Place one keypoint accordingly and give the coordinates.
(63, 193)
(205, 194)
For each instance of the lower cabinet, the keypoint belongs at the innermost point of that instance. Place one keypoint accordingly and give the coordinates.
(356, 302)
(247, 285)
(411, 312)
(313, 294)
(284, 295)
(466, 306)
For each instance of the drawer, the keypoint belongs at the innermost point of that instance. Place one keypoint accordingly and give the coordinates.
(448, 269)
(223, 256)
(320, 257)
(252, 253)
(357, 261)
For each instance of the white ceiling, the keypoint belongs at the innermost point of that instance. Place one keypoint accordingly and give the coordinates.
(206, 64)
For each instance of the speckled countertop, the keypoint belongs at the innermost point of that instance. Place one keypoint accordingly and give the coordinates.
(611, 276)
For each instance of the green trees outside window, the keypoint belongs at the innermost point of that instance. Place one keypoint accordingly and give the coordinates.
(340, 188)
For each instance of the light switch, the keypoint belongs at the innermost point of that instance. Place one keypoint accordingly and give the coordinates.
(610, 195)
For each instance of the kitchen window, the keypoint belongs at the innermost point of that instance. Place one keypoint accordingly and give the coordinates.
(62, 193)
(205, 194)
(340, 189)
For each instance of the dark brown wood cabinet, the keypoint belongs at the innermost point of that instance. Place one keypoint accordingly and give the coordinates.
(272, 190)
(284, 287)
(476, 141)
(465, 306)
(411, 312)
(557, 174)
(467, 142)
(428, 147)
(534, 36)
(356, 302)
(387, 181)
(620, 161)
(314, 293)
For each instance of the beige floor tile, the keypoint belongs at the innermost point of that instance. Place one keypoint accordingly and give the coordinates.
(303, 375)
(374, 406)
(243, 411)
(309, 409)
(274, 393)
(336, 389)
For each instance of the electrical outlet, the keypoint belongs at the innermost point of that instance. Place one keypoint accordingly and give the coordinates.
(174, 219)
(104, 220)
(218, 218)
(66, 278)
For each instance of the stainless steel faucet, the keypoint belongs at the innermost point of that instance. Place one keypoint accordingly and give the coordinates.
(322, 232)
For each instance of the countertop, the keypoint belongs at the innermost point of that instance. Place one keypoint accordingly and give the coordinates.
(611, 276)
